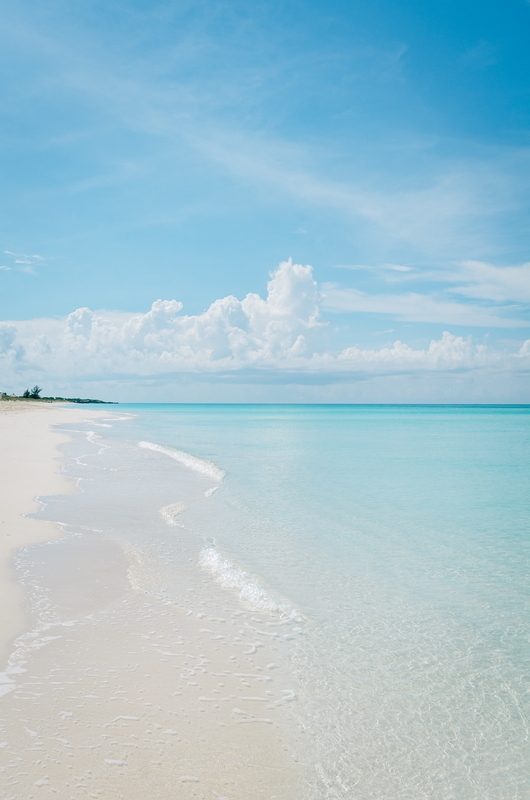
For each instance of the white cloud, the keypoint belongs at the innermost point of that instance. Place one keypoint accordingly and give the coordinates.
(357, 267)
(8, 334)
(431, 212)
(23, 262)
(499, 284)
(280, 338)
(413, 307)
(450, 352)
(444, 207)
(435, 216)
(397, 267)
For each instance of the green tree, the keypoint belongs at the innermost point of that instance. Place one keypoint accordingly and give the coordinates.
(26, 393)
(35, 392)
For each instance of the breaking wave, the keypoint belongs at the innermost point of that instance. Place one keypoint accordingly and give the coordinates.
(171, 513)
(192, 462)
(232, 577)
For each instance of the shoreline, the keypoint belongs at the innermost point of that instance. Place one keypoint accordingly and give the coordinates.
(137, 693)
(29, 468)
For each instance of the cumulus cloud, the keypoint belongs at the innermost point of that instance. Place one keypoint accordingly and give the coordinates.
(8, 334)
(449, 353)
(229, 334)
(279, 336)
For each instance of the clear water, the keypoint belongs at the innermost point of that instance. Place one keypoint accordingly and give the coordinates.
(401, 535)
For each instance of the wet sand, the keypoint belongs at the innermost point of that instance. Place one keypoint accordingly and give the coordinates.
(29, 466)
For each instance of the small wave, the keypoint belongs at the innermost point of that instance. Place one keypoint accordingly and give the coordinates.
(231, 577)
(142, 571)
(113, 418)
(170, 513)
(192, 462)
(26, 644)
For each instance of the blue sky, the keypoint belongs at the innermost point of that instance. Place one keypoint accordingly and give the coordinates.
(183, 150)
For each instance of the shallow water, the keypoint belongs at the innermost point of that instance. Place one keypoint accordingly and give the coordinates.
(393, 540)
(402, 535)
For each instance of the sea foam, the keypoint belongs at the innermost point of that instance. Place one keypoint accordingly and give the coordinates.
(171, 513)
(200, 465)
(232, 577)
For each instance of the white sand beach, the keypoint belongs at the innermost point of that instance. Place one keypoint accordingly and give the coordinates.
(29, 466)
(126, 695)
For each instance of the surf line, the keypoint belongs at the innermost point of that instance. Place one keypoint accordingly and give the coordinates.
(195, 463)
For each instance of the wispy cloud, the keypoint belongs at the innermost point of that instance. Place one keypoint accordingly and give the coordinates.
(451, 208)
(22, 262)
(449, 212)
(488, 282)
(483, 54)
(415, 307)
(373, 268)
(389, 273)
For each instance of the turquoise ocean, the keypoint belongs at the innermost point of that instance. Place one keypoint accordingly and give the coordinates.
(397, 537)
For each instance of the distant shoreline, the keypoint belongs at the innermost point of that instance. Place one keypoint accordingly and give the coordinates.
(12, 397)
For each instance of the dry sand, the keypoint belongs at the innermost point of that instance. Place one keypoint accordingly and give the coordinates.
(128, 695)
